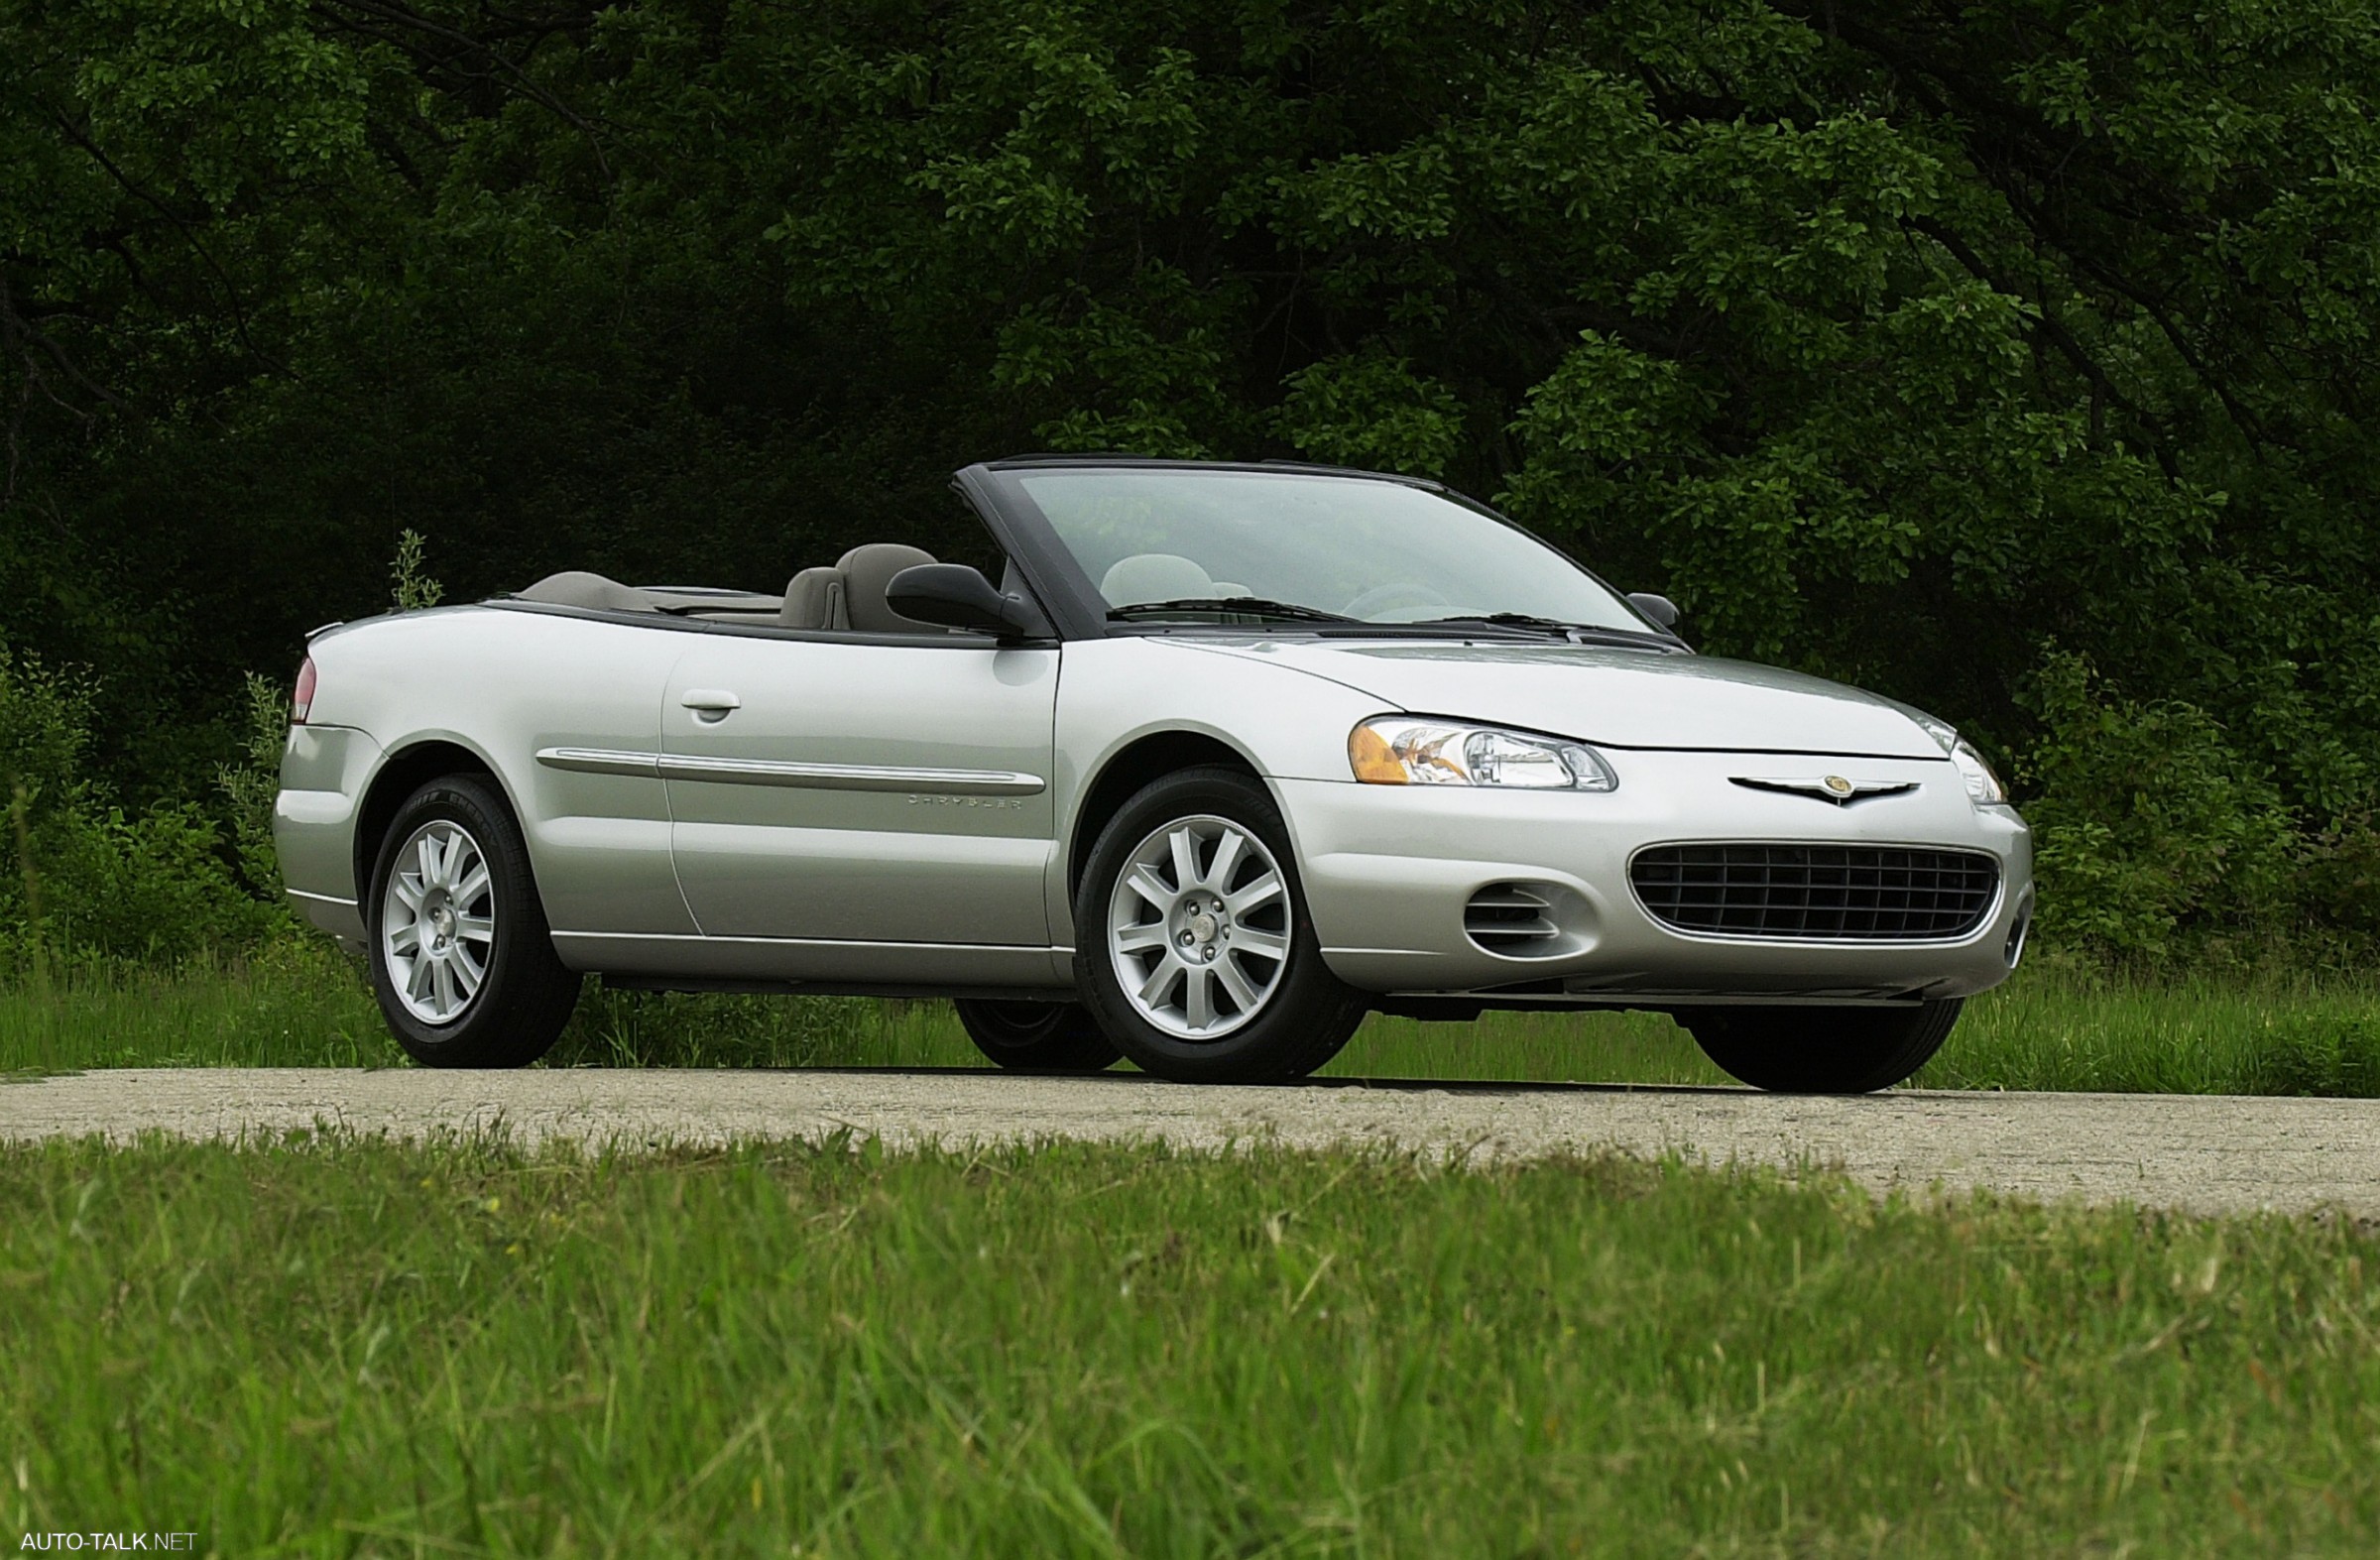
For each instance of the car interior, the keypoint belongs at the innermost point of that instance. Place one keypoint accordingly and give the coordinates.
(847, 596)
(1162, 576)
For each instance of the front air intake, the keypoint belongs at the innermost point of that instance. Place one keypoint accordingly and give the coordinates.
(1513, 919)
(1817, 892)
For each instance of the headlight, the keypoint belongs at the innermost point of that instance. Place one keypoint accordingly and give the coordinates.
(1982, 785)
(1400, 751)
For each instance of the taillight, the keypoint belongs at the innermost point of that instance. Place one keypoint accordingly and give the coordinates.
(303, 700)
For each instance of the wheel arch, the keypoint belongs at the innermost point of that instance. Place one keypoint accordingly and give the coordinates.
(405, 770)
(1147, 757)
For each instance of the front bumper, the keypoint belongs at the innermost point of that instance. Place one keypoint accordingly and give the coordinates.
(1388, 870)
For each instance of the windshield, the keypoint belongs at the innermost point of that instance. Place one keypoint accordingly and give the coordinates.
(1157, 543)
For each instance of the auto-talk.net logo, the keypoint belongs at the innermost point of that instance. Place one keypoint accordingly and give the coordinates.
(108, 1543)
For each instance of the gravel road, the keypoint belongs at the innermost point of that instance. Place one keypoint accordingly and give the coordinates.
(2196, 1154)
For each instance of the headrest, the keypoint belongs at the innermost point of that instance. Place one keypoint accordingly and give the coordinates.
(814, 600)
(579, 588)
(866, 571)
(1154, 577)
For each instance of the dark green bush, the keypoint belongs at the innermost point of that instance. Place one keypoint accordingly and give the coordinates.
(90, 877)
(2340, 877)
(2149, 826)
(250, 784)
(147, 886)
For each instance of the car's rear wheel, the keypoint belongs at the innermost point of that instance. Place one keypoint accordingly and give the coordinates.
(1822, 1050)
(462, 960)
(1194, 950)
(1036, 1037)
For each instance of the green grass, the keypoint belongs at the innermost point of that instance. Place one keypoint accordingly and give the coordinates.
(2051, 1027)
(365, 1349)
(2279, 1035)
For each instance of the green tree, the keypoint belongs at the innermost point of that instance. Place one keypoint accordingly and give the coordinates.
(1901, 343)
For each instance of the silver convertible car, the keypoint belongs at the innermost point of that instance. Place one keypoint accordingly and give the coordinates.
(1227, 757)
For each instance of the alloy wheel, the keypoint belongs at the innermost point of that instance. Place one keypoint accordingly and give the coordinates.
(1198, 927)
(437, 921)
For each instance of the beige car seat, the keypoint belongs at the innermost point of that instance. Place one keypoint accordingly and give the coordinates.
(814, 600)
(1154, 577)
(850, 596)
(1162, 576)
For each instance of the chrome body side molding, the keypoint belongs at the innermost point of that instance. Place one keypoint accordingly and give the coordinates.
(852, 776)
(599, 760)
(812, 777)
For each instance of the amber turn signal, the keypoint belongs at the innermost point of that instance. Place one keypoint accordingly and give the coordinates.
(1375, 762)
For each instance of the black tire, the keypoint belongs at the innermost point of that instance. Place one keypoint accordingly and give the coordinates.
(525, 994)
(1822, 1050)
(1038, 1036)
(1308, 1013)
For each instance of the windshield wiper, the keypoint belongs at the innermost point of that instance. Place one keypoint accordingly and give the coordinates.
(1507, 619)
(1576, 633)
(1237, 606)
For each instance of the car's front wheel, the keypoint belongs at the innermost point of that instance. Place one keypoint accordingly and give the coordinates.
(1193, 947)
(462, 961)
(1036, 1037)
(1822, 1050)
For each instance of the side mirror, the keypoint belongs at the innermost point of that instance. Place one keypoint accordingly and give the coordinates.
(958, 597)
(1660, 609)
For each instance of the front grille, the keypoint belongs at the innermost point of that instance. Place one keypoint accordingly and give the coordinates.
(1839, 892)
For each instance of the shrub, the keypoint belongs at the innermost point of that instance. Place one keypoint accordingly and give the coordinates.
(88, 876)
(2339, 877)
(411, 584)
(44, 725)
(2149, 826)
(250, 783)
(150, 887)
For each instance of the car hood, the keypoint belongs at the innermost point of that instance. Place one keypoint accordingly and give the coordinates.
(1624, 698)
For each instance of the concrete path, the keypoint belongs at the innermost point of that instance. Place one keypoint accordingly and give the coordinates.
(2199, 1154)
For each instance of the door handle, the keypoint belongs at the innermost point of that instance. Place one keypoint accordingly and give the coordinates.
(710, 703)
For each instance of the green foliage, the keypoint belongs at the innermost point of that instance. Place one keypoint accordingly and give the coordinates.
(2333, 1057)
(44, 725)
(1891, 343)
(250, 784)
(148, 885)
(2149, 820)
(90, 877)
(2339, 878)
(1373, 411)
(410, 582)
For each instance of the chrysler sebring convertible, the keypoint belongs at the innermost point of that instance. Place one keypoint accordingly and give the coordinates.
(1210, 763)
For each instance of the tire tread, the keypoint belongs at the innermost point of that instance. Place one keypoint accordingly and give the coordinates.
(1309, 1020)
(529, 992)
(1822, 1050)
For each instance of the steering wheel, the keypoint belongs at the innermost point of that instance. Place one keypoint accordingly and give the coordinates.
(1398, 593)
